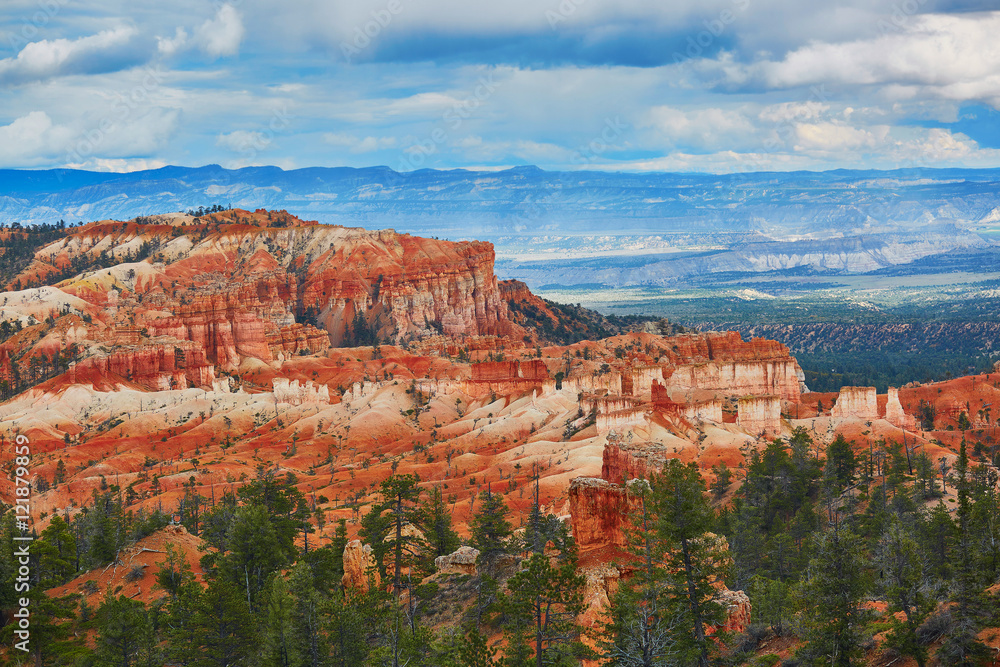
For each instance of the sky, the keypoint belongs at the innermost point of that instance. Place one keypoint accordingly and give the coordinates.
(634, 85)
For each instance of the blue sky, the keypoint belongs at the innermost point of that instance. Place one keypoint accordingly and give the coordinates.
(640, 85)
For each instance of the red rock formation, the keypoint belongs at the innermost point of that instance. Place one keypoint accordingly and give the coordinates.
(640, 380)
(856, 403)
(599, 511)
(760, 414)
(360, 572)
(739, 378)
(296, 339)
(510, 371)
(159, 366)
(894, 413)
(704, 411)
(622, 419)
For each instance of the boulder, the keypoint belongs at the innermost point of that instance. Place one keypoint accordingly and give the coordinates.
(462, 561)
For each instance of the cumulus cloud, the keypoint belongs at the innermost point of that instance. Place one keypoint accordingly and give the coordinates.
(829, 136)
(222, 35)
(702, 128)
(168, 46)
(35, 139)
(107, 51)
(957, 56)
(32, 139)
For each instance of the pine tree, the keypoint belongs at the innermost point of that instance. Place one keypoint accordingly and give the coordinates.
(434, 521)
(174, 571)
(307, 617)
(125, 635)
(938, 538)
(962, 647)
(55, 549)
(693, 561)
(397, 512)
(833, 594)
(255, 552)
(841, 464)
(490, 529)
(644, 624)
(180, 628)
(541, 605)
(223, 627)
(349, 621)
(473, 650)
(543, 528)
(903, 582)
(277, 647)
(60, 474)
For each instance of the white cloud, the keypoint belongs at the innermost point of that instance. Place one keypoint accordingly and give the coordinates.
(106, 51)
(788, 111)
(702, 128)
(118, 165)
(243, 141)
(476, 148)
(222, 35)
(832, 135)
(168, 46)
(358, 144)
(32, 139)
(35, 139)
(954, 56)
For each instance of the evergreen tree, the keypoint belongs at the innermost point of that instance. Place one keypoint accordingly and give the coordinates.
(841, 464)
(541, 605)
(544, 528)
(393, 518)
(174, 571)
(644, 623)
(56, 551)
(125, 635)
(962, 647)
(255, 552)
(223, 627)
(490, 529)
(833, 595)
(434, 521)
(903, 582)
(307, 614)
(180, 628)
(277, 643)
(693, 561)
(474, 651)
(350, 621)
(938, 538)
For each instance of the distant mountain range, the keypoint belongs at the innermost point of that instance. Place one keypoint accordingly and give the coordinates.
(818, 219)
